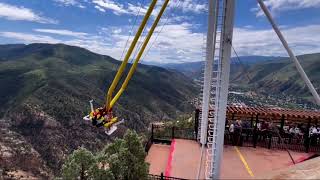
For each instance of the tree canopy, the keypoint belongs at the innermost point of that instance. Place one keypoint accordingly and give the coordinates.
(122, 159)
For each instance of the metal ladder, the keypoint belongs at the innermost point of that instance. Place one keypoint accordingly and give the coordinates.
(215, 90)
(199, 104)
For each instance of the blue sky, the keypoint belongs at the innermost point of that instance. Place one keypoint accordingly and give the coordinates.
(103, 26)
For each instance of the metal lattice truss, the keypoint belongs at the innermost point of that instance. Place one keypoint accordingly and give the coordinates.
(215, 85)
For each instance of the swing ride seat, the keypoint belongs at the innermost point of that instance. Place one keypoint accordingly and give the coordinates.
(110, 127)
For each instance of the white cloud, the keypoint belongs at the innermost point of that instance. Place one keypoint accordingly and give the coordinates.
(99, 8)
(115, 7)
(302, 40)
(178, 43)
(129, 8)
(61, 32)
(135, 9)
(29, 38)
(117, 30)
(181, 44)
(11, 12)
(93, 43)
(277, 6)
(67, 2)
(190, 6)
(70, 3)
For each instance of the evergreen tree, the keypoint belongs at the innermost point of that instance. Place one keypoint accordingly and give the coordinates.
(98, 172)
(78, 164)
(126, 157)
(122, 160)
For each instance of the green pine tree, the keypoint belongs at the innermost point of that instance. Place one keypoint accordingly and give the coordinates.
(126, 157)
(78, 164)
(121, 160)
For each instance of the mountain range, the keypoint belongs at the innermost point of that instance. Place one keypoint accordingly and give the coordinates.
(46, 88)
(45, 92)
(195, 69)
(281, 76)
(266, 74)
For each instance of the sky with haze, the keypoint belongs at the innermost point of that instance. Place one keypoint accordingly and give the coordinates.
(103, 26)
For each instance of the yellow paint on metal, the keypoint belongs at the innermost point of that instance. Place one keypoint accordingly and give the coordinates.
(109, 124)
(130, 50)
(135, 64)
(246, 165)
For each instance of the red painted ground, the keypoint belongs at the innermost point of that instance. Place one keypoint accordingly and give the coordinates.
(186, 159)
(170, 158)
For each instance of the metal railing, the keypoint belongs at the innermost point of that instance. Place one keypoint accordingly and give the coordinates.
(271, 140)
(162, 177)
(248, 137)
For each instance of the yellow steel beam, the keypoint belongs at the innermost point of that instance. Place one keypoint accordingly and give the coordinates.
(130, 50)
(135, 64)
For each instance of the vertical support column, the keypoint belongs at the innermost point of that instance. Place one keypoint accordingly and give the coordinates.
(152, 129)
(208, 70)
(307, 137)
(255, 132)
(251, 123)
(172, 132)
(196, 121)
(282, 122)
(210, 46)
(270, 139)
(250, 132)
(281, 128)
(223, 97)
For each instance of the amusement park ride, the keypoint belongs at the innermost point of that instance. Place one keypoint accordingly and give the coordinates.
(215, 85)
(103, 116)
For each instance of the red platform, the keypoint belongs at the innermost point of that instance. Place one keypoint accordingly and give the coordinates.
(236, 163)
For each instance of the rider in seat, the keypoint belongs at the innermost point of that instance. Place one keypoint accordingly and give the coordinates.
(100, 116)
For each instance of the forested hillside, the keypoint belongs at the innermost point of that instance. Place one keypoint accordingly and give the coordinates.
(45, 92)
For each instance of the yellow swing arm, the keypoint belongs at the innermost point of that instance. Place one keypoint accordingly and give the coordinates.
(135, 64)
(130, 50)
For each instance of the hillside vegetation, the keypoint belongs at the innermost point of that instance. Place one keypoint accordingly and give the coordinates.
(195, 69)
(268, 75)
(281, 76)
(45, 92)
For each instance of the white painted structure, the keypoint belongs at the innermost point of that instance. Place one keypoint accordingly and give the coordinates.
(216, 81)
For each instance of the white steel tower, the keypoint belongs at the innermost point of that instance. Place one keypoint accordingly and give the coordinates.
(216, 83)
(212, 116)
